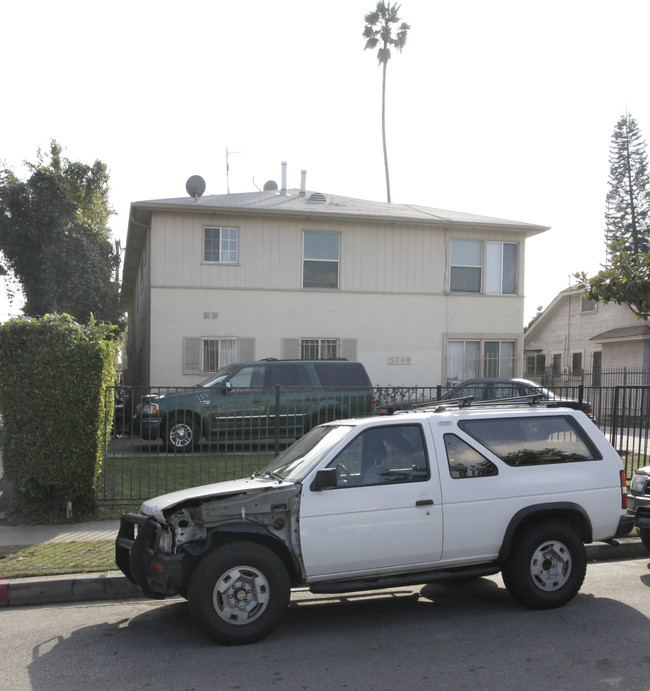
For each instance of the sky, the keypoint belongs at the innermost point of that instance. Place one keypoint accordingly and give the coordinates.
(502, 108)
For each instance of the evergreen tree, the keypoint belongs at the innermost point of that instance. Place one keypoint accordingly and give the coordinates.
(55, 239)
(379, 31)
(628, 200)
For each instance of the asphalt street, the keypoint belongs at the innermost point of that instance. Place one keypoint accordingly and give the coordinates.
(447, 636)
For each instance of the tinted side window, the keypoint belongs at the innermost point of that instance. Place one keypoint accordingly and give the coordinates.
(288, 375)
(465, 461)
(524, 441)
(383, 455)
(341, 374)
(247, 377)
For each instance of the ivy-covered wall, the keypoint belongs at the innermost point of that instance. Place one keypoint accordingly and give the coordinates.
(53, 378)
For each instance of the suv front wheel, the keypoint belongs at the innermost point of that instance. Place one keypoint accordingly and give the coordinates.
(181, 434)
(239, 592)
(547, 566)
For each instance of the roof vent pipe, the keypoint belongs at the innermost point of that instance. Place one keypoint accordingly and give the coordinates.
(284, 178)
(303, 182)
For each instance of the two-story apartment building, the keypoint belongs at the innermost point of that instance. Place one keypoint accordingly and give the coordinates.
(421, 296)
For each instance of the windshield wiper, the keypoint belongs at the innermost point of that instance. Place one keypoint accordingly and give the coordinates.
(275, 475)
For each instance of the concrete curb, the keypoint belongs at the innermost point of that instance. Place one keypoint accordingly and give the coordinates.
(110, 585)
(113, 585)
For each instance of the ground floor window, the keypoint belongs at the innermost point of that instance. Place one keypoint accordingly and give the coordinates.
(535, 365)
(319, 348)
(471, 359)
(218, 352)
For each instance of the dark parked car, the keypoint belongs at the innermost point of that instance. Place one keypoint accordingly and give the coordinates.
(257, 400)
(494, 389)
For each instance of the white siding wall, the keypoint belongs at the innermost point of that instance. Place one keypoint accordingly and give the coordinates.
(393, 297)
(568, 330)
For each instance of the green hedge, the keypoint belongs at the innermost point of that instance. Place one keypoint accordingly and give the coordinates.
(53, 379)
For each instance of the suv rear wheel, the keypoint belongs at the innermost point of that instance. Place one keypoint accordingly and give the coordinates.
(239, 592)
(547, 566)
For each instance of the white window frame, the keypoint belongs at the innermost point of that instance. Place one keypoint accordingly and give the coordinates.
(226, 353)
(228, 250)
(319, 348)
(493, 267)
(477, 364)
(314, 259)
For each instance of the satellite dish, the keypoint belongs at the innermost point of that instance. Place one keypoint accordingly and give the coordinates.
(195, 186)
(270, 185)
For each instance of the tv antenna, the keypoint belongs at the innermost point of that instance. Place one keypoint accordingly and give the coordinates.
(228, 154)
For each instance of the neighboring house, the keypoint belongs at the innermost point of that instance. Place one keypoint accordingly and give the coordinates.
(573, 335)
(420, 296)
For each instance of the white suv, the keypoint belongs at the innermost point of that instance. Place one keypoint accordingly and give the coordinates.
(379, 502)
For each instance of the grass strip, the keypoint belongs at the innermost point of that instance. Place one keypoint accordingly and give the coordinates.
(57, 558)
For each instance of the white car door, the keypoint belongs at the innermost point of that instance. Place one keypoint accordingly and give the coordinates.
(385, 512)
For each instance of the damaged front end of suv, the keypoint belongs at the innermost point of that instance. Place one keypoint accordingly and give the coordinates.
(176, 530)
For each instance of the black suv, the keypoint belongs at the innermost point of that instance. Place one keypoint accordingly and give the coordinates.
(257, 400)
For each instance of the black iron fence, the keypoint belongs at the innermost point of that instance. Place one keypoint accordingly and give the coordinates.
(233, 441)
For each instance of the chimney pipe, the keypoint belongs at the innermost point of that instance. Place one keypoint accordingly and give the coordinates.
(284, 178)
(303, 182)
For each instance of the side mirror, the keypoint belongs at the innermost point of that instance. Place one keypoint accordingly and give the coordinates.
(227, 387)
(326, 478)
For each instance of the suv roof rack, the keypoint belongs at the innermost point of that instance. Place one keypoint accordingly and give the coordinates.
(468, 402)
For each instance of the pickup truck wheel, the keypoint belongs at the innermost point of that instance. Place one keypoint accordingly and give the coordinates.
(546, 567)
(181, 434)
(239, 592)
(645, 537)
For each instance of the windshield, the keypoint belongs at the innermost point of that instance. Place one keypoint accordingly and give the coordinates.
(218, 377)
(296, 462)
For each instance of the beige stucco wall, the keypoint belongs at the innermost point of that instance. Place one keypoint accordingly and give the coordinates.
(408, 328)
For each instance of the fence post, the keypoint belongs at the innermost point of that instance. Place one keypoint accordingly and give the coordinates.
(615, 416)
(276, 447)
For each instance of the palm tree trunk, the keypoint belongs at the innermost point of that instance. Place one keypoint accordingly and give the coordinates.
(383, 131)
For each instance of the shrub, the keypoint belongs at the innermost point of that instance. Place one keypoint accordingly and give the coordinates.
(53, 378)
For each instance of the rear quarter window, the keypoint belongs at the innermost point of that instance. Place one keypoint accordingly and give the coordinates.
(342, 374)
(526, 441)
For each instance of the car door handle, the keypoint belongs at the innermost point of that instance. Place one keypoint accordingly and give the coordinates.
(424, 502)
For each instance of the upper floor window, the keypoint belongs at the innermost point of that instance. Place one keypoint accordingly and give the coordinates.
(478, 267)
(320, 260)
(587, 305)
(220, 245)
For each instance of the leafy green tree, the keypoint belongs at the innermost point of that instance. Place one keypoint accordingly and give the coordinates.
(628, 199)
(378, 31)
(55, 239)
(625, 280)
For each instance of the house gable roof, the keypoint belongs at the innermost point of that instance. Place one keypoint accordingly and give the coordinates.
(626, 333)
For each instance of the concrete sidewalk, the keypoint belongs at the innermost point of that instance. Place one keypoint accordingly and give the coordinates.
(113, 585)
(70, 532)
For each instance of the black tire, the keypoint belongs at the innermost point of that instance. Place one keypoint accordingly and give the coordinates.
(181, 434)
(546, 567)
(645, 537)
(239, 592)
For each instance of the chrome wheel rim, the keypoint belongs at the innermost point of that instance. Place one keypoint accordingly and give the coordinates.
(180, 435)
(550, 565)
(241, 595)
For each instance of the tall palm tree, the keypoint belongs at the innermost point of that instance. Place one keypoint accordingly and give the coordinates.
(379, 31)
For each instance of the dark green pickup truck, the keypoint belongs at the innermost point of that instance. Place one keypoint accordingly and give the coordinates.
(257, 400)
